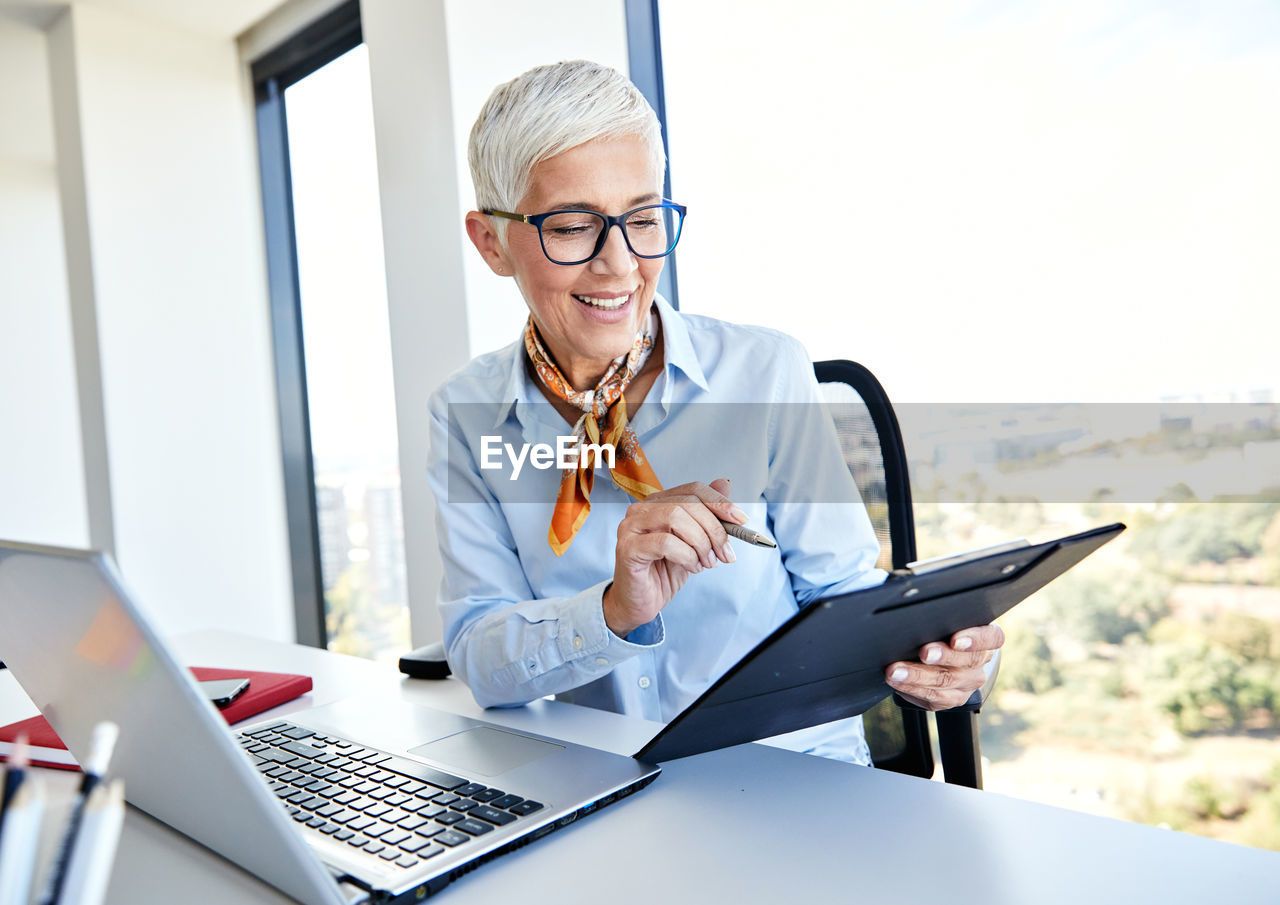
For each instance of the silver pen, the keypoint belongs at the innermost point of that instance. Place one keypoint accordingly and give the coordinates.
(746, 534)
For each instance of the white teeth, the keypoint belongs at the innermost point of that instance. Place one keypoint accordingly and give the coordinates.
(604, 304)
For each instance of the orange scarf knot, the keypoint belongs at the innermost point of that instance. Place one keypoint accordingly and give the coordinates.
(630, 469)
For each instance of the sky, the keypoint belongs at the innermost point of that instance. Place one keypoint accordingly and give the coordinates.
(988, 201)
(342, 279)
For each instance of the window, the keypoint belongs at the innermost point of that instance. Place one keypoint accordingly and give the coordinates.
(333, 354)
(1067, 211)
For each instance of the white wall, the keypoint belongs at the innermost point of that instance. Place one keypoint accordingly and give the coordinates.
(165, 272)
(42, 492)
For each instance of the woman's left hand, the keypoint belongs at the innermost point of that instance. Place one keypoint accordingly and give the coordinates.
(948, 673)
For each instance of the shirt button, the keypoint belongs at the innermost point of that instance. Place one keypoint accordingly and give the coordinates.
(644, 681)
(602, 661)
(577, 642)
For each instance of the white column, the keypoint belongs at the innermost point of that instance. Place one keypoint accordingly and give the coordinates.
(422, 245)
(42, 479)
(165, 262)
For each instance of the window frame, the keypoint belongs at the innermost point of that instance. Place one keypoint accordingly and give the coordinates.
(644, 59)
(321, 42)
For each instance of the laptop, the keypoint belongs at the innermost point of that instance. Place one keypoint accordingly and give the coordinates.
(361, 800)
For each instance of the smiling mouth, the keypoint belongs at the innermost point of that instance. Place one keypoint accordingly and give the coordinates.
(604, 304)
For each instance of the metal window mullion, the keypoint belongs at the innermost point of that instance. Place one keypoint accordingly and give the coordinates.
(290, 364)
(644, 53)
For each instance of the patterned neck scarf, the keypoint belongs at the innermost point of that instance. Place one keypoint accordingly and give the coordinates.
(604, 420)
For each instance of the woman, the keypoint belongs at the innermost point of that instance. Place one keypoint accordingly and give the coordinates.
(626, 593)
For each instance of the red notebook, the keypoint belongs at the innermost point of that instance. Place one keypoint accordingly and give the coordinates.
(266, 690)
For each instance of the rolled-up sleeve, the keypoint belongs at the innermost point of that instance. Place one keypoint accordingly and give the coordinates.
(509, 646)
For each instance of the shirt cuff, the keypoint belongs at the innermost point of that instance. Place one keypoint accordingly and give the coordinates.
(650, 634)
(588, 635)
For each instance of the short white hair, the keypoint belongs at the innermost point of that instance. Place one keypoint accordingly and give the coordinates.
(547, 111)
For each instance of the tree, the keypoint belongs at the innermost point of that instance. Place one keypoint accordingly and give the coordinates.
(1201, 687)
(1250, 638)
(1207, 532)
(1207, 687)
(1027, 662)
(344, 602)
(1092, 607)
(1269, 547)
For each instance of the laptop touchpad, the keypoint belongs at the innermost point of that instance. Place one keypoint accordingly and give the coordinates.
(486, 751)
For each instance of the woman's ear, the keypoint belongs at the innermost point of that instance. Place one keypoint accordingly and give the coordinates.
(485, 238)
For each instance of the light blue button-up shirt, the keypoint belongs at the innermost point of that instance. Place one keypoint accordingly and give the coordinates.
(731, 401)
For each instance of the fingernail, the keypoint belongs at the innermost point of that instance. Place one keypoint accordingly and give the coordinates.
(933, 655)
(729, 555)
(964, 643)
(737, 515)
(899, 674)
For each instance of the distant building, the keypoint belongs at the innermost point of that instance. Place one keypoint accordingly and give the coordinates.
(331, 519)
(384, 518)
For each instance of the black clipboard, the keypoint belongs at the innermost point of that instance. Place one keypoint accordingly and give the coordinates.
(827, 661)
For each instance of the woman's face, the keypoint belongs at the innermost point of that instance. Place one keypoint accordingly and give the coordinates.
(588, 314)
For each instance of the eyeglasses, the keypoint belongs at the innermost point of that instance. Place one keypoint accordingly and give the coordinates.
(575, 237)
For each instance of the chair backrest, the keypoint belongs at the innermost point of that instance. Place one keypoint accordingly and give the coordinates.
(872, 444)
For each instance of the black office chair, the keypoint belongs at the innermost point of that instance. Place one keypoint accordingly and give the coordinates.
(897, 731)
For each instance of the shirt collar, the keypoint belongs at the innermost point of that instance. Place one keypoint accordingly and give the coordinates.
(677, 347)
(677, 350)
(517, 388)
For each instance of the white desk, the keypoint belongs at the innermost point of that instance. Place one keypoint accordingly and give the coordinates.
(748, 824)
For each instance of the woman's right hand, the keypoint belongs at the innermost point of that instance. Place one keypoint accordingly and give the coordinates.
(662, 540)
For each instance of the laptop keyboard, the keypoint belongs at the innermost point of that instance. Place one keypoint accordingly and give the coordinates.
(391, 807)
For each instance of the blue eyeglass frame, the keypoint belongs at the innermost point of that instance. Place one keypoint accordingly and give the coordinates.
(610, 222)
